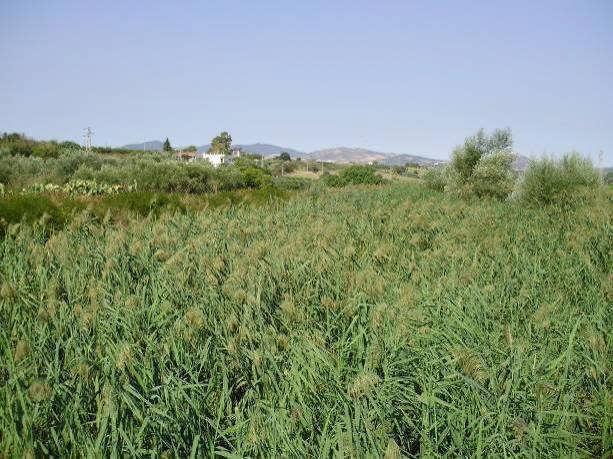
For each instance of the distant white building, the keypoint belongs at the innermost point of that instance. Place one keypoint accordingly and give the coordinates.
(217, 159)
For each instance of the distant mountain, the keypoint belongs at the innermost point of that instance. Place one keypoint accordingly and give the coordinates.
(153, 145)
(267, 149)
(346, 155)
(365, 156)
(401, 160)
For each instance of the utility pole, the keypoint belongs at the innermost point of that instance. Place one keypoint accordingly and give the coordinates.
(322, 167)
(601, 166)
(87, 137)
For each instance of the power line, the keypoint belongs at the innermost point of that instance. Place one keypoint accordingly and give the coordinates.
(87, 137)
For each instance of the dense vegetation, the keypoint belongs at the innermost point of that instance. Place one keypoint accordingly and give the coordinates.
(153, 307)
(482, 167)
(428, 325)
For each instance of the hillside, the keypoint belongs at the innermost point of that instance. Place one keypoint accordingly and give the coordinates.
(401, 160)
(264, 149)
(151, 145)
(346, 155)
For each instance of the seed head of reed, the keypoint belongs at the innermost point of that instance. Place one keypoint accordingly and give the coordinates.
(378, 316)
(232, 323)
(39, 391)
(22, 349)
(392, 451)
(81, 370)
(7, 291)
(470, 364)
(289, 309)
(363, 384)
(194, 319)
(282, 342)
(161, 255)
(124, 356)
(542, 316)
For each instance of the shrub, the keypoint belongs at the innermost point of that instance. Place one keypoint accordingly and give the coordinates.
(482, 166)
(493, 176)
(354, 175)
(335, 181)
(144, 203)
(291, 183)
(46, 150)
(560, 182)
(29, 208)
(465, 158)
(436, 178)
(253, 177)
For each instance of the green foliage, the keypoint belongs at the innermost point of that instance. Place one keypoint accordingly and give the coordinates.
(493, 176)
(79, 187)
(354, 175)
(149, 171)
(222, 144)
(465, 158)
(254, 177)
(436, 177)
(292, 183)
(145, 203)
(359, 322)
(562, 182)
(284, 156)
(481, 167)
(167, 147)
(35, 209)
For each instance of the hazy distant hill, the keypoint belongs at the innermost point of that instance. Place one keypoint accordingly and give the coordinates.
(401, 160)
(152, 145)
(346, 155)
(343, 155)
(264, 149)
(365, 156)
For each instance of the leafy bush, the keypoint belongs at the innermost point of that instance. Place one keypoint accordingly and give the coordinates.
(560, 182)
(465, 158)
(291, 183)
(144, 203)
(354, 175)
(29, 208)
(79, 187)
(335, 181)
(436, 178)
(482, 166)
(254, 177)
(493, 175)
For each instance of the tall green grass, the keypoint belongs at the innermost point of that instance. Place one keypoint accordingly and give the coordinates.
(354, 322)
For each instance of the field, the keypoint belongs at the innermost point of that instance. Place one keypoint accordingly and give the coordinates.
(362, 321)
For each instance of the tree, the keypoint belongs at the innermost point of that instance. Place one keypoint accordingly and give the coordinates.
(222, 144)
(284, 156)
(465, 158)
(167, 146)
(191, 148)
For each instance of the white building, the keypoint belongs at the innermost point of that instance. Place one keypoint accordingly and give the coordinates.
(213, 158)
(216, 159)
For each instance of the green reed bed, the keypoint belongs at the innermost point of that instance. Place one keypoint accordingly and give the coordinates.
(373, 321)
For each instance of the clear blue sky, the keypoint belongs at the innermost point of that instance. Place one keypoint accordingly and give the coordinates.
(399, 76)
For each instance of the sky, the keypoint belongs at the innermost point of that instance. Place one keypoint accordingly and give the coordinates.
(394, 76)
